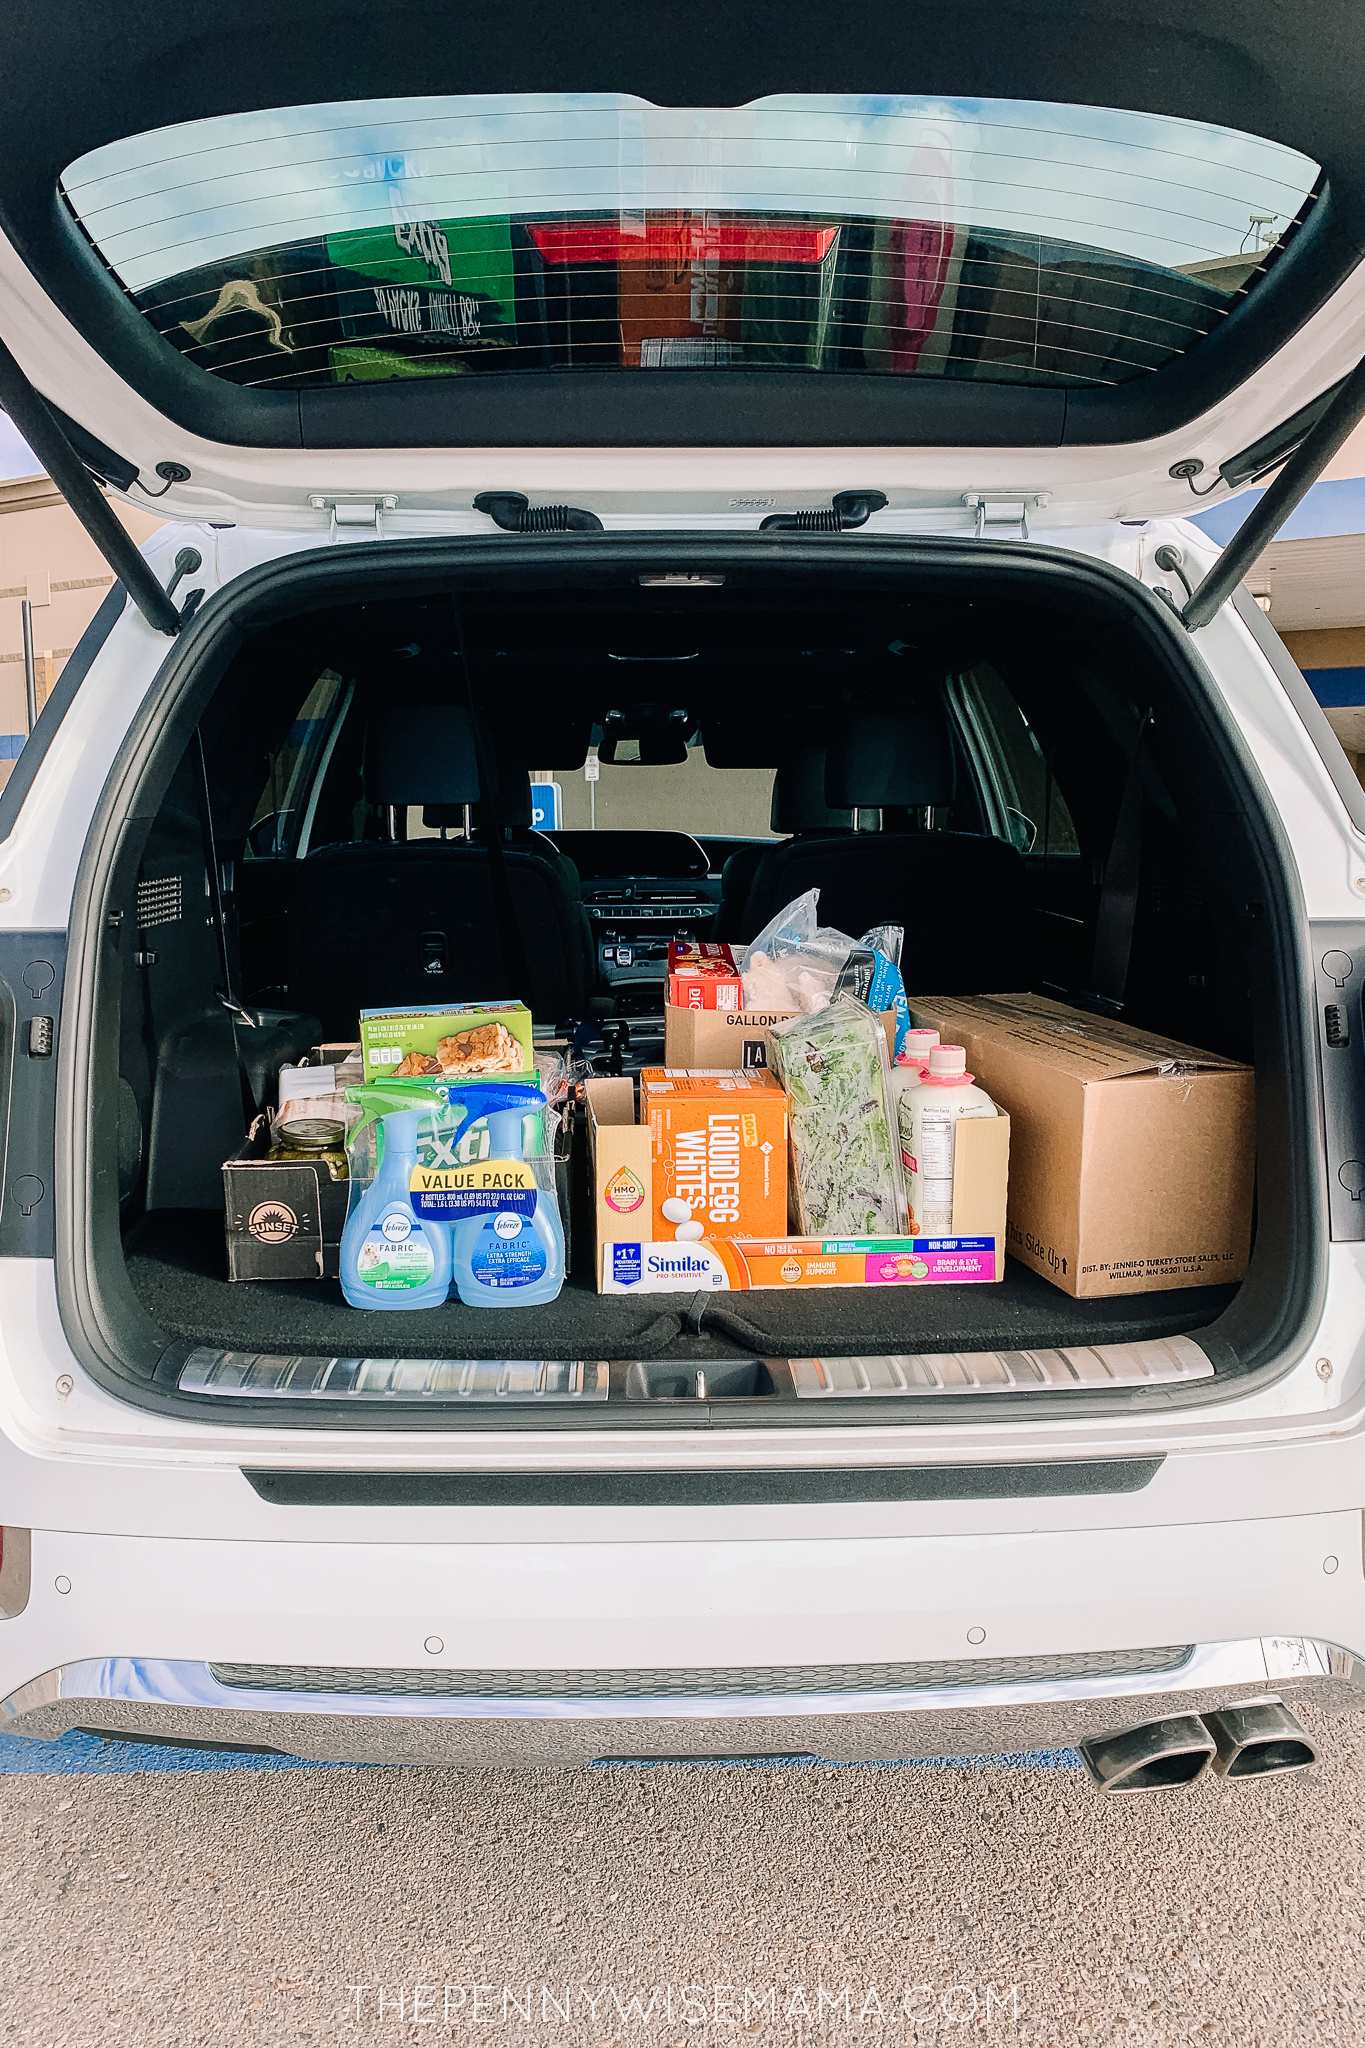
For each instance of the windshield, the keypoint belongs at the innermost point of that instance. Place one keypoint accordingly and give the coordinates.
(985, 239)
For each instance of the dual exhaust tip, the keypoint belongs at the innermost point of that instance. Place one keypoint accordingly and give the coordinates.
(1254, 1740)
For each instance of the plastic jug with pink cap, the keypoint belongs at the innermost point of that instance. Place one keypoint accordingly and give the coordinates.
(907, 1069)
(927, 1114)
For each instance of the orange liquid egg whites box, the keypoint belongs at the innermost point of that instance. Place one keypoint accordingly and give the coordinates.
(718, 1143)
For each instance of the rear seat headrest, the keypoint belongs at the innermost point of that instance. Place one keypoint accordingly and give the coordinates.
(892, 759)
(511, 804)
(420, 754)
(799, 795)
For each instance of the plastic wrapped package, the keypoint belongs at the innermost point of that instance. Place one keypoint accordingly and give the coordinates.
(795, 962)
(846, 1159)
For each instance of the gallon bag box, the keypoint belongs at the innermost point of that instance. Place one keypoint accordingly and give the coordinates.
(730, 1038)
(284, 1217)
(718, 1143)
(719, 1038)
(438, 1042)
(1132, 1156)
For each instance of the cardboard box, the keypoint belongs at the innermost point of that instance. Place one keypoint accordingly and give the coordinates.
(1133, 1157)
(730, 1038)
(703, 976)
(284, 1217)
(469, 1041)
(720, 1038)
(738, 1264)
(627, 1261)
(618, 1162)
(717, 1141)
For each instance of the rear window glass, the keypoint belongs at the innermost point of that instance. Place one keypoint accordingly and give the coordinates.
(983, 239)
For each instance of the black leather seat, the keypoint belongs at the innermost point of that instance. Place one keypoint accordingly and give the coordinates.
(799, 808)
(395, 922)
(962, 897)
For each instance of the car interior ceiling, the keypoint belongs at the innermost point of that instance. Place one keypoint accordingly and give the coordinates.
(365, 794)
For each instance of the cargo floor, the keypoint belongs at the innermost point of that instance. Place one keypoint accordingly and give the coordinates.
(178, 1271)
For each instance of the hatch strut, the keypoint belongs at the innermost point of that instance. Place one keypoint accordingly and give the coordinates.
(1292, 484)
(33, 417)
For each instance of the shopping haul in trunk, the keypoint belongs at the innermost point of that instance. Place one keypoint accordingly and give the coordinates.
(810, 1127)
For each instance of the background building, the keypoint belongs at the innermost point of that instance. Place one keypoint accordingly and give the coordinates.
(47, 557)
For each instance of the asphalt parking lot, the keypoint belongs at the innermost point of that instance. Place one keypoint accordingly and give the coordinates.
(954, 1903)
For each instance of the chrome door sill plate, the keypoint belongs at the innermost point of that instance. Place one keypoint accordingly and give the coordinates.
(1165, 1362)
(256, 1375)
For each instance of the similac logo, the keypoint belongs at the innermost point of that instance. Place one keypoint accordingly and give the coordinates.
(685, 1263)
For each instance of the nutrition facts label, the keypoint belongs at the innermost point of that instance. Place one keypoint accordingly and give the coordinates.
(935, 1157)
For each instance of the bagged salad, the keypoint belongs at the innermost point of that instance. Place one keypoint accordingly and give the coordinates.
(848, 1180)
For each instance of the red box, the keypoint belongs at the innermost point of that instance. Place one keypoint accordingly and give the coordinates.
(702, 976)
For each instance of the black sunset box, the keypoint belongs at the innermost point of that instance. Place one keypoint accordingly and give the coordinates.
(284, 1217)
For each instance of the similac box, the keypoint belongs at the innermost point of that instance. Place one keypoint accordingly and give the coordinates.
(703, 976)
(718, 1152)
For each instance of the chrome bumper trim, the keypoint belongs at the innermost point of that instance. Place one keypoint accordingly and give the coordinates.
(162, 1700)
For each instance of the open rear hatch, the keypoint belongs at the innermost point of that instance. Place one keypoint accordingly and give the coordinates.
(281, 685)
(862, 278)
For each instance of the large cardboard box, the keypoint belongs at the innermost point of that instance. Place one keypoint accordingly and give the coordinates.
(1132, 1157)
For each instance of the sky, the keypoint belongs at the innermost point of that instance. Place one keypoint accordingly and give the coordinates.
(16, 457)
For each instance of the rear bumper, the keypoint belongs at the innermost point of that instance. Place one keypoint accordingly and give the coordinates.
(169, 1700)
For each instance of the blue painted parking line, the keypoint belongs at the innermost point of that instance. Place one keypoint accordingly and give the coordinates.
(79, 1755)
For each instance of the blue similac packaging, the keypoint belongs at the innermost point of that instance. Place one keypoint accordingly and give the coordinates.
(391, 1257)
(508, 1237)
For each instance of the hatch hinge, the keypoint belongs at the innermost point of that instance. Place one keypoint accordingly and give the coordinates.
(514, 513)
(1005, 508)
(849, 509)
(355, 515)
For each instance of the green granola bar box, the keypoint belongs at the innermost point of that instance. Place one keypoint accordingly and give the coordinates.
(441, 1042)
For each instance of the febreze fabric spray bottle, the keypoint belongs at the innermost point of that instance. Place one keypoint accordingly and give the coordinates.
(508, 1238)
(391, 1256)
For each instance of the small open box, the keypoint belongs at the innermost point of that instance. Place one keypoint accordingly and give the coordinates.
(284, 1217)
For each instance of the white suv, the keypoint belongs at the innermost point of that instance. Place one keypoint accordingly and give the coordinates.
(733, 417)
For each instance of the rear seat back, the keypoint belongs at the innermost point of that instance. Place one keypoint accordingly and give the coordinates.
(393, 922)
(962, 897)
(799, 808)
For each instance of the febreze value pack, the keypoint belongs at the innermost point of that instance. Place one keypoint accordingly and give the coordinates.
(718, 1153)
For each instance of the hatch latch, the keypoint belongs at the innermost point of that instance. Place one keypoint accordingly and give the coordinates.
(354, 515)
(1005, 508)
